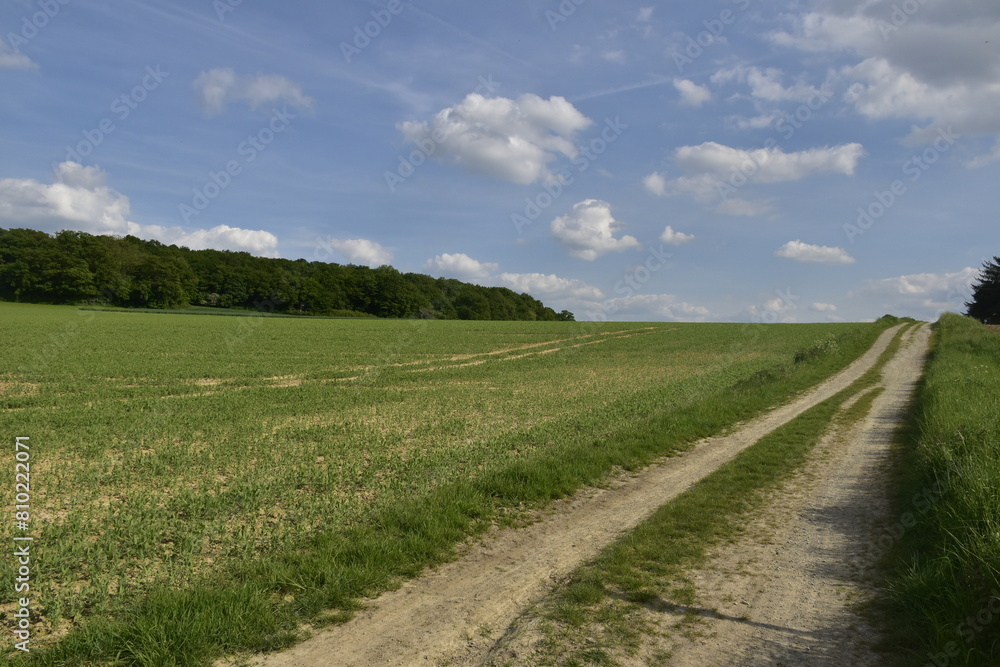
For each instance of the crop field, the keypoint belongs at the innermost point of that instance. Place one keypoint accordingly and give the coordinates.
(240, 463)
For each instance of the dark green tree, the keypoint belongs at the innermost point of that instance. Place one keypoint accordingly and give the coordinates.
(75, 267)
(985, 304)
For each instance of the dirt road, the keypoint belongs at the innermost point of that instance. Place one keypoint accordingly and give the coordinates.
(455, 613)
(787, 594)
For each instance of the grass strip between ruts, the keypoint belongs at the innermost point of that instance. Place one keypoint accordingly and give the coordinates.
(596, 616)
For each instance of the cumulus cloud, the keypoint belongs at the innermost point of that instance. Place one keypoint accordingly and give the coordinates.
(923, 295)
(514, 140)
(11, 59)
(772, 311)
(691, 93)
(769, 165)
(711, 169)
(894, 77)
(218, 87)
(550, 286)
(673, 237)
(589, 231)
(362, 251)
(589, 303)
(656, 183)
(768, 84)
(462, 266)
(824, 307)
(650, 307)
(221, 237)
(80, 199)
(803, 252)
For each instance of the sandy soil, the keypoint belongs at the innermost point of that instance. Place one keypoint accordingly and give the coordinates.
(788, 592)
(455, 613)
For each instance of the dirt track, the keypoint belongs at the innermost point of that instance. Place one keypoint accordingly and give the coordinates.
(456, 612)
(788, 597)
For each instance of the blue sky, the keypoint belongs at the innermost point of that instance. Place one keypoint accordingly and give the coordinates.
(736, 160)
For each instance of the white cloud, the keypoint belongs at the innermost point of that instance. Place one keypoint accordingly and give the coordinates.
(924, 295)
(362, 251)
(691, 93)
(656, 183)
(221, 237)
(218, 87)
(769, 165)
(616, 56)
(589, 231)
(11, 59)
(768, 84)
(550, 286)
(650, 307)
(80, 199)
(462, 266)
(673, 237)
(983, 160)
(645, 14)
(772, 311)
(824, 307)
(711, 169)
(803, 252)
(895, 77)
(507, 139)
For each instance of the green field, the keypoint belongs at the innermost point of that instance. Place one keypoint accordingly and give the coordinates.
(203, 485)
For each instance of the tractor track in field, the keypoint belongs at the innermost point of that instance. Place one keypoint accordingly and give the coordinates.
(454, 614)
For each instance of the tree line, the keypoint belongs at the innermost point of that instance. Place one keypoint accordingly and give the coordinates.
(79, 268)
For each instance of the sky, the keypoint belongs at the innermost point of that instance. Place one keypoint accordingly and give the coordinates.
(726, 160)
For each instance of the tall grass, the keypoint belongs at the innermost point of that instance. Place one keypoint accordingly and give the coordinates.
(943, 598)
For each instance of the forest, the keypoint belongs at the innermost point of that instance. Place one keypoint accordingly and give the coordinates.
(79, 268)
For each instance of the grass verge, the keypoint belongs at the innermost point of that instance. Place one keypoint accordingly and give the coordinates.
(942, 598)
(598, 615)
(322, 577)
